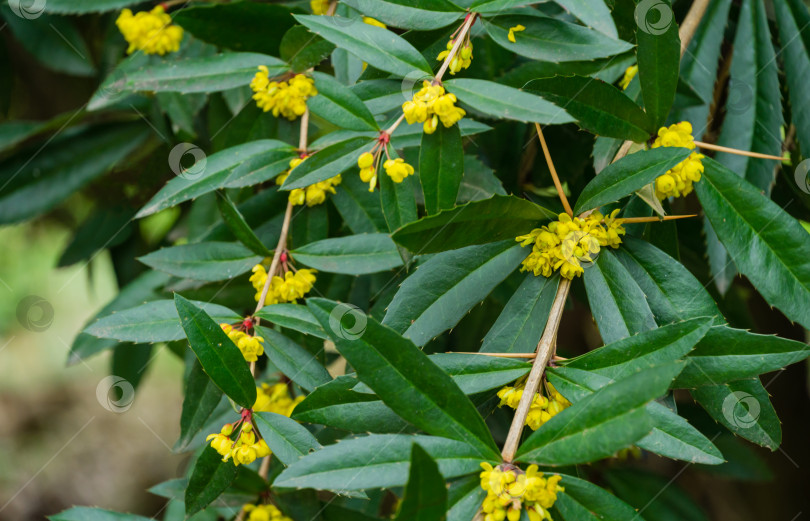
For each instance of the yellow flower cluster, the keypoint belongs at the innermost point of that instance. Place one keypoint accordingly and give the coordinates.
(565, 244)
(509, 489)
(373, 21)
(291, 287)
(264, 512)
(250, 346)
(149, 32)
(629, 74)
(678, 180)
(244, 450)
(397, 169)
(313, 194)
(319, 6)
(463, 57)
(431, 105)
(513, 30)
(275, 398)
(285, 98)
(541, 410)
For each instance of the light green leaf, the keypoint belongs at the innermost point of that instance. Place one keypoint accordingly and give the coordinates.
(288, 440)
(298, 364)
(338, 105)
(593, 13)
(328, 162)
(353, 255)
(500, 101)
(203, 260)
(293, 316)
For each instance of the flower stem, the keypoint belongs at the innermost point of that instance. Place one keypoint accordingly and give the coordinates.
(718, 148)
(393, 127)
(653, 219)
(470, 20)
(553, 171)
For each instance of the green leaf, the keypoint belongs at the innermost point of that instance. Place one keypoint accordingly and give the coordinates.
(344, 466)
(550, 40)
(240, 228)
(500, 101)
(768, 246)
(328, 162)
(340, 106)
(479, 181)
(464, 498)
(380, 48)
(420, 15)
(207, 174)
(479, 222)
(672, 292)
(154, 321)
(203, 260)
(94, 514)
(398, 201)
(727, 354)
(744, 408)
(658, 496)
(104, 228)
(200, 74)
(293, 316)
(441, 160)
(598, 425)
(288, 440)
(617, 303)
(593, 13)
(442, 290)
(753, 119)
(218, 355)
(647, 349)
(659, 57)
(627, 175)
(585, 501)
(302, 49)
(201, 397)
(476, 374)
(359, 208)
(794, 19)
(262, 167)
(597, 106)
(521, 323)
(425, 497)
(85, 6)
(34, 183)
(353, 255)
(298, 364)
(210, 478)
(403, 377)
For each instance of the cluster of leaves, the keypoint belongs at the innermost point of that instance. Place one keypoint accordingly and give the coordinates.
(418, 257)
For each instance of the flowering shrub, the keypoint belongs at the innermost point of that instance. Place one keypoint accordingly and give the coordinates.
(369, 310)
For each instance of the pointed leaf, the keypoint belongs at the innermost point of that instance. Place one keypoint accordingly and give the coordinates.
(587, 502)
(210, 478)
(240, 228)
(338, 105)
(421, 15)
(328, 162)
(200, 397)
(441, 160)
(293, 316)
(203, 260)
(425, 497)
(500, 101)
(353, 255)
(298, 364)
(288, 440)
(659, 55)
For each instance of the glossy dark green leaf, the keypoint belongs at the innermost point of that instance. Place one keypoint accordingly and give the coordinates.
(218, 355)
(500, 101)
(262, 167)
(627, 175)
(593, 13)
(303, 49)
(210, 478)
(657, 496)
(598, 107)
(328, 162)
(479, 222)
(441, 167)
(340, 106)
(421, 15)
(200, 397)
(203, 260)
(598, 425)
(240, 228)
(475, 373)
(398, 201)
(768, 246)
(521, 323)
(380, 48)
(403, 376)
(479, 182)
(464, 498)
(293, 316)
(344, 466)
(288, 440)
(617, 303)
(359, 208)
(425, 497)
(659, 55)
(442, 290)
(551, 40)
(744, 408)
(298, 364)
(794, 19)
(584, 501)
(353, 255)
(727, 354)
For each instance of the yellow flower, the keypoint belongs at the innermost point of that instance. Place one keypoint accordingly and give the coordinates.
(149, 32)
(678, 180)
(463, 57)
(250, 346)
(264, 513)
(397, 169)
(541, 409)
(431, 105)
(365, 160)
(313, 194)
(285, 98)
(509, 490)
(275, 398)
(512, 31)
(629, 74)
(376, 23)
(319, 6)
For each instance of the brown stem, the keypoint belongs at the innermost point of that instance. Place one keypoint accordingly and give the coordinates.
(718, 148)
(545, 350)
(690, 23)
(302, 137)
(654, 219)
(282, 244)
(553, 170)
(501, 355)
(454, 50)
(265, 467)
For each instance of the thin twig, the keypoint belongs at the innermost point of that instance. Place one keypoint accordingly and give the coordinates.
(690, 23)
(653, 219)
(282, 244)
(302, 137)
(393, 127)
(545, 350)
(718, 148)
(265, 466)
(553, 170)
(454, 50)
